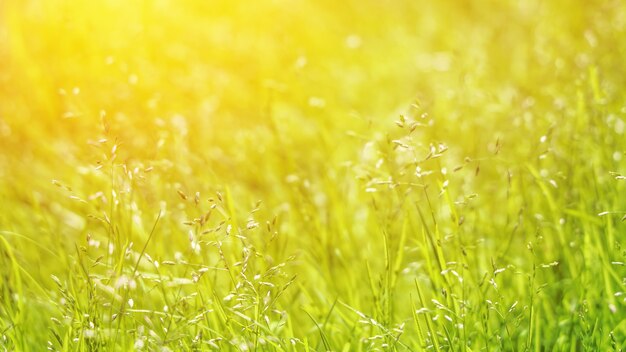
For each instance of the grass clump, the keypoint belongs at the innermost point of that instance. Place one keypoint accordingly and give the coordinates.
(313, 176)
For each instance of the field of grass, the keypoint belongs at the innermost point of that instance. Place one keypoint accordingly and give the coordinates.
(372, 175)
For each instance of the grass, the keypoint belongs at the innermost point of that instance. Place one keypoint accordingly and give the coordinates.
(312, 176)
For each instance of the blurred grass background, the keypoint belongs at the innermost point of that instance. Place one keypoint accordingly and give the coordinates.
(329, 176)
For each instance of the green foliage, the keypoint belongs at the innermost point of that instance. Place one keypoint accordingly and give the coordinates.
(319, 176)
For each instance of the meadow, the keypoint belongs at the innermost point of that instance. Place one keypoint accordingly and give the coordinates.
(302, 175)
